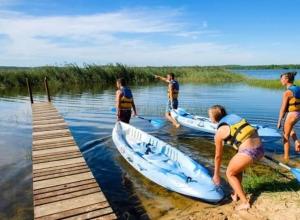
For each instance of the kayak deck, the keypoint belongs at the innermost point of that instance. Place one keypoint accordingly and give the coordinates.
(164, 164)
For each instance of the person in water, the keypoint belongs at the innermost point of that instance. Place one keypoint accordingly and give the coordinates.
(173, 91)
(235, 131)
(290, 107)
(124, 101)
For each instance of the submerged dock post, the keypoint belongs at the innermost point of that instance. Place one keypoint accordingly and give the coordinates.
(29, 90)
(47, 89)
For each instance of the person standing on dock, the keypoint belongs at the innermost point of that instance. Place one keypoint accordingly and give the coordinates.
(242, 136)
(173, 91)
(290, 107)
(124, 101)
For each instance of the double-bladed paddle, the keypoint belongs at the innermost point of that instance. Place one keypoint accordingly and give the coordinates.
(293, 170)
(157, 123)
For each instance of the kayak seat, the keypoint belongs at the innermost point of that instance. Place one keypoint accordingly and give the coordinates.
(143, 147)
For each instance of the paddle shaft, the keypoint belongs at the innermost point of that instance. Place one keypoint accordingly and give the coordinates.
(143, 118)
(278, 162)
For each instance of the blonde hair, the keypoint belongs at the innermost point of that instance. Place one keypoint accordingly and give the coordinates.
(217, 112)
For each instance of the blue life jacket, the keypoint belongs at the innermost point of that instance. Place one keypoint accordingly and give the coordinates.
(175, 89)
(126, 99)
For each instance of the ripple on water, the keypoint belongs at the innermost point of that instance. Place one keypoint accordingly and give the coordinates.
(91, 121)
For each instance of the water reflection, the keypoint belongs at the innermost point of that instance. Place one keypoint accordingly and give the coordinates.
(91, 121)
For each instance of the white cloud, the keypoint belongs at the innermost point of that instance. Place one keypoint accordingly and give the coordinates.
(134, 37)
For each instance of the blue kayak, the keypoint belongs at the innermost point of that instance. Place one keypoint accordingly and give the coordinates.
(164, 164)
(204, 124)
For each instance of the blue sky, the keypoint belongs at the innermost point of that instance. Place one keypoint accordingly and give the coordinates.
(149, 32)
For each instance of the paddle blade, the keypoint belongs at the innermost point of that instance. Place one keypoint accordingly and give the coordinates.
(296, 173)
(157, 123)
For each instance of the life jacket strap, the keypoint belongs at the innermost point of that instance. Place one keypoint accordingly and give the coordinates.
(233, 138)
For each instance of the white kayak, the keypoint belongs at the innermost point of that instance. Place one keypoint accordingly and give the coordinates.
(204, 124)
(164, 164)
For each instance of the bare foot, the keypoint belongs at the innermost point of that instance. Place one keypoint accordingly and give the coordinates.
(297, 146)
(286, 159)
(243, 206)
(177, 125)
(234, 197)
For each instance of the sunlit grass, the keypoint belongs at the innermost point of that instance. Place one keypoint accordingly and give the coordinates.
(71, 76)
(272, 181)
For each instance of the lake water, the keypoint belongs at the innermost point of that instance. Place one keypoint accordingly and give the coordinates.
(90, 119)
(266, 74)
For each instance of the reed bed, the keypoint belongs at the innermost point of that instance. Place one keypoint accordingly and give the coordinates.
(93, 76)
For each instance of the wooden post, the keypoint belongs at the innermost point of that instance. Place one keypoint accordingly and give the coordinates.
(47, 89)
(29, 90)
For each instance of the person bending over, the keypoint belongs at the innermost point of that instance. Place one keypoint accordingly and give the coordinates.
(237, 132)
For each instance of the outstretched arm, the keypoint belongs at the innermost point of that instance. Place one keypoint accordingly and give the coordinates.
(221, 134)
(283, 108)
(118, 102)
(161, 78)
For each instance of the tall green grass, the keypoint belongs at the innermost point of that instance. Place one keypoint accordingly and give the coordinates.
(93, 75)
(267, 83)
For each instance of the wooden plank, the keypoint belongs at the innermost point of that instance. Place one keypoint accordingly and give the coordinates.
(92, 214)
(64, 186)
(52, 127)
(49, 126)
(63, 166)
(50, 132)
(74, 212)
(66, 191)
(62, 197)
(54, 150)
(62, 174)
(59, 154)
(43, 108)
(54, 121)
(54, 145)
(111, 216)
(45, 114)
(47, 119)
(59, 169)
(68, 204)
(49, 129)
(57, 146)
(57, 163)
(62, 180)
(64, 157)
(51, 136)
(52, 141)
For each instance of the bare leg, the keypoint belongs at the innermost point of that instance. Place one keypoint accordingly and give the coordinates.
(174, 122)
(295, 138)
(235, 167)
(234, 195)
(289, 123)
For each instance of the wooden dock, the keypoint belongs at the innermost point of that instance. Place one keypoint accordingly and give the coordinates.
(63, 185)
